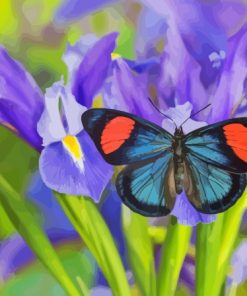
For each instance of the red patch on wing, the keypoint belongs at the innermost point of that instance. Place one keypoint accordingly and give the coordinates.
(115, 133)
(236, 138)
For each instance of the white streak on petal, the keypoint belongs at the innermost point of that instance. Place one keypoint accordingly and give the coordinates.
(73, 111)
(50, 126)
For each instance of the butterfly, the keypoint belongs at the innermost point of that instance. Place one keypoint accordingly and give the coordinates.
(209, 163)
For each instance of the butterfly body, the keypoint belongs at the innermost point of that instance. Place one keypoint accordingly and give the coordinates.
(179, 152)
(209, 164)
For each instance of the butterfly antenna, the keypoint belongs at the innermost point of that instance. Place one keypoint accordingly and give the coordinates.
(193, 114)
(161, 112)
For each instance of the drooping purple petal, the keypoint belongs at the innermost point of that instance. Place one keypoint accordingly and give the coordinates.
(187, 214)
(93, 70)
(62, 173)
(128, 92)
(15, 254)
(71, 10)
(19, 93)
(20, 121)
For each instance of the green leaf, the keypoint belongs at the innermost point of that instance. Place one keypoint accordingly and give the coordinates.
(173, 253)
(140, 251)
(18, 212)
(94, 232)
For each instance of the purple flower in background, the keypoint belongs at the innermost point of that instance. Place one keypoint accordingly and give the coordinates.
(69, 162)
(15, 253)
(205, 54)
(238, 272)
(71, 10)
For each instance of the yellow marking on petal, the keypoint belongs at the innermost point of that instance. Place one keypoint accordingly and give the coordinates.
(72, 145)
(115, 56)
(98, 101)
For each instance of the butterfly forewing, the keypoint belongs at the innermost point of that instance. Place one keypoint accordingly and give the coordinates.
(223, 144)
(123, 138)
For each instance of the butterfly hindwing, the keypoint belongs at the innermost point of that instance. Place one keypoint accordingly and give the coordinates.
(123, 138)
(148, 187)
(210, 189)
(223, 144)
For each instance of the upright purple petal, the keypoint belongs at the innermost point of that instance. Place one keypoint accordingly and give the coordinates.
(93, 70)
(74, 54)
(128, 92)
(151, 29)
(176, 83)
(20, 98)
(71, 10)
(231, 89)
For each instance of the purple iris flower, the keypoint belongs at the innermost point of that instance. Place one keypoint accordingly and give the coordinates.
(200, 64)
(69, 161)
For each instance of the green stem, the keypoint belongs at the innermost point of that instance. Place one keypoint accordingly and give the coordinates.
(229, 235)
(173, 253)
(207, 252)
(24, 222)
(93, 230)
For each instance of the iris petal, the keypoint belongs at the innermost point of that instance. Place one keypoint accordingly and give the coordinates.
(62, 173)
(188, 215)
